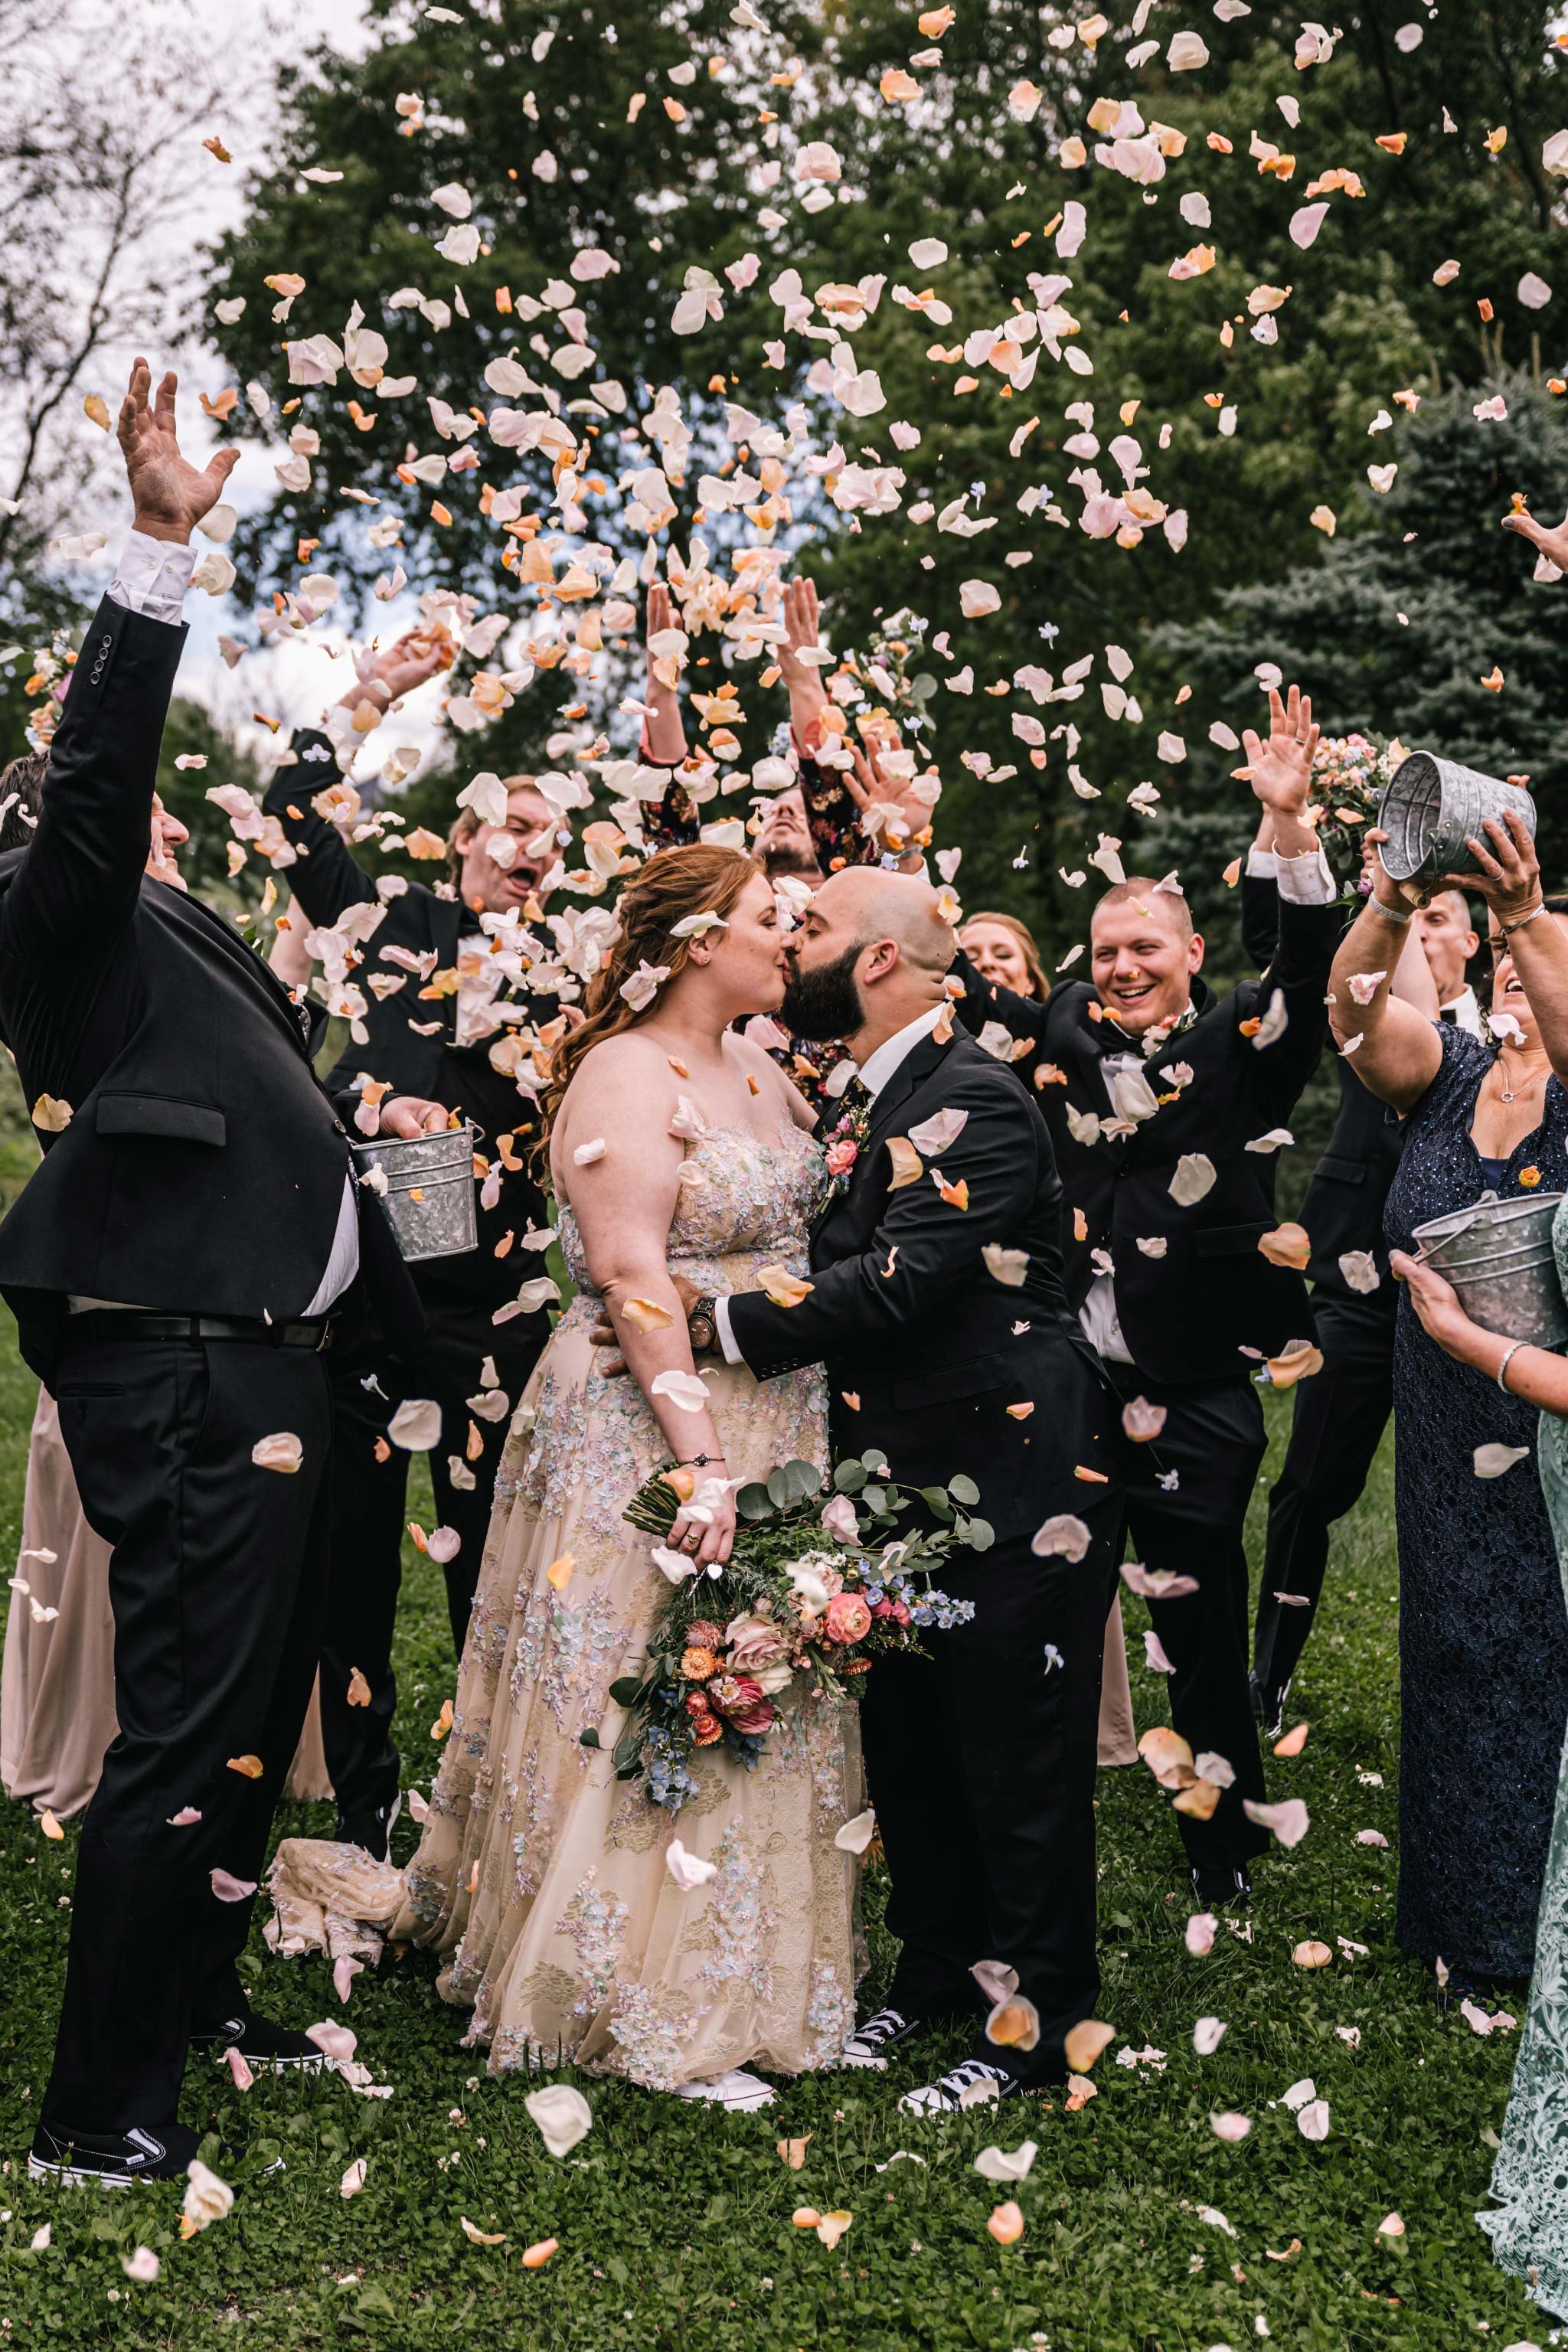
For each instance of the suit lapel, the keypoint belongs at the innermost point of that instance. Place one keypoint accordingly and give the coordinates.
(913, 1071)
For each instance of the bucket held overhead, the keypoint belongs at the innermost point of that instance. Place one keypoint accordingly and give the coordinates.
(1432, 807)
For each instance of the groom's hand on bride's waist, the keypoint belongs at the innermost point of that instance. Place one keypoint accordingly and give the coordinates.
(601, 1331)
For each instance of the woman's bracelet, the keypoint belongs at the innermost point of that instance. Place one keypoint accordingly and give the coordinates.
(1508, 1355)
(1390, 914)
(700, 1461)
(1538, 908)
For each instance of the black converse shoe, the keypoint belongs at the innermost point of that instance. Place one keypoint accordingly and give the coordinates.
(116, 2158)
(369, 1827)
(1221, 1890)
(947, 2095)
(265, 2046)
(869, 2044)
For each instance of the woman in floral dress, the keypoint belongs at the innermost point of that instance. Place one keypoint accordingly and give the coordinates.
(540, 1879)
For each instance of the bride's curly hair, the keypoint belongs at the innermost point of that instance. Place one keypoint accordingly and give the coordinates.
(674, 883)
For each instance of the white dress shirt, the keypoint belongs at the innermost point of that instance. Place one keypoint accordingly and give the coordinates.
(1464, 1010)
(874, 1074)
(1304, 881)
(152, 578)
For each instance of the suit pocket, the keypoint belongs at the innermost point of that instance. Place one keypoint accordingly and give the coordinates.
(976, 1376)
(1340, 1171)
(1230, 1241)
(165, 1118)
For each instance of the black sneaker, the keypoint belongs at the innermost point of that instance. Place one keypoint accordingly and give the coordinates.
(264, 2045)
(77, 2159)
(869, 2044)
(370, 1828)
(1221, 1890)
(945, 2095)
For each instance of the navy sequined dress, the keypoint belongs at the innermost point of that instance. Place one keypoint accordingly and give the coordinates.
(1483, 1634)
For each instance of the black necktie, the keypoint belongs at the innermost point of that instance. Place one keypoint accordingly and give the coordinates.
(1448, 1012)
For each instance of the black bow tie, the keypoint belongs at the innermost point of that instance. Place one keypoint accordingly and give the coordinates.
(854, 1094)
(1448, 1012)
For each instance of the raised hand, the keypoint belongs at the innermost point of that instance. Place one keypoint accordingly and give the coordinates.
(1280, 770)
(403, 666)
(1509, 875)
(170, 495)
(868, 782)
(1551, 543)
(665, 727)
(807, 695)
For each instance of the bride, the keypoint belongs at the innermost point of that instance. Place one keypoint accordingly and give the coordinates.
(540, 1879)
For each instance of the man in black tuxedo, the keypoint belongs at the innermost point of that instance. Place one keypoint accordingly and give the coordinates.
(1148, 1082)
(431, 1030)
(1339, 1416)
(174, 1265)
(939, 1312)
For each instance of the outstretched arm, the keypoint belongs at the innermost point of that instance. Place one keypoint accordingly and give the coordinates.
(328, 877)
(927, 1247)
(79, 880)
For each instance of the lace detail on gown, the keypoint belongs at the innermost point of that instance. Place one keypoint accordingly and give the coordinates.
(1529, 2235)
(540, 1878)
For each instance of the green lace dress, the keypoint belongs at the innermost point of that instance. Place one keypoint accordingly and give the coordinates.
(1530, 2179)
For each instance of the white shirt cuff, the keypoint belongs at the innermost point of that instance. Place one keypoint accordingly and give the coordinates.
(153, 576)
(1307, 880)
(721, 1325)
(1262, 863)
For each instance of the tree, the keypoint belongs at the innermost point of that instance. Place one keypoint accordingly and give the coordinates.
(1428, 627)
(1248, 385)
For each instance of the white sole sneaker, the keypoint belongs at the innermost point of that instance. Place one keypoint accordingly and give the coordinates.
(71, 2175)
(737, 2090)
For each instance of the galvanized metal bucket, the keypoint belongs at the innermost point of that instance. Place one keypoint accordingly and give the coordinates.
(1431, 807)
(1498, 1257)
(429, 1196)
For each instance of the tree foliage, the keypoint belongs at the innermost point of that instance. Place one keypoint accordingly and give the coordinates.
(1248, 436)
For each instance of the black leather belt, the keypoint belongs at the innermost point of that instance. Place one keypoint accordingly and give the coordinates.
(144, 1323)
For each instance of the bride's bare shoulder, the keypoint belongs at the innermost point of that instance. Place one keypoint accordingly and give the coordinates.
(628, 1071)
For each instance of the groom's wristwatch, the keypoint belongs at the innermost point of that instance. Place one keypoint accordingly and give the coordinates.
(702, 1325)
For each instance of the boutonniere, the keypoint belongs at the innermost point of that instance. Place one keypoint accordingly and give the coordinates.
(842, 1149)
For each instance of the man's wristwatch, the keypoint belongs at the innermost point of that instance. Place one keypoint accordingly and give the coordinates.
(703, 1325)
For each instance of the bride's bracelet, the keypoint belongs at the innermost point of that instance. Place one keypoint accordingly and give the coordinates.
(700, 1461)
(1508, 1355)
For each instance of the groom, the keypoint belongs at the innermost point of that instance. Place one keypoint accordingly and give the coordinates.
(939, 1312)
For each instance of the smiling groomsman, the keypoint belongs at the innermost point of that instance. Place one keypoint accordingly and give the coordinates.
(1164, 1104)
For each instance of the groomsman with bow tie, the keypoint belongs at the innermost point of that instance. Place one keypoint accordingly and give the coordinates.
(177, 1266)
(1165, 1104)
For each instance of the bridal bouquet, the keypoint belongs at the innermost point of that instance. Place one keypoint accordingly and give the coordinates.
(818, 1582)
(1349, 774)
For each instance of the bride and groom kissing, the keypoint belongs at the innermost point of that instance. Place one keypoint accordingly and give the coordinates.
(928, 1319)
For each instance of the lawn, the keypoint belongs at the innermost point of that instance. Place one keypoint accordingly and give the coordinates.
(674, 2222)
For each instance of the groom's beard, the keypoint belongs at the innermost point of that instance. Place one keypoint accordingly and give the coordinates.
(825, 1003)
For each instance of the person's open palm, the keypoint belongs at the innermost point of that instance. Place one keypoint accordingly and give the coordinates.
(1550, 541)
(665, 727)
(1280, 770)
(800, 620)
(171, 494)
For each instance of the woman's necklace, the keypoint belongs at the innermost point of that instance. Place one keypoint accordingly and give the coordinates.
(1509, 1093)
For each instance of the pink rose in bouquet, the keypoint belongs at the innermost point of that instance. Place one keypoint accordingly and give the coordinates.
(760, 1717)
(848, 1618)
(841, 1156)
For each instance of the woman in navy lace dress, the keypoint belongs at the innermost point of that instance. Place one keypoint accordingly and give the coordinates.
(1483, 1635)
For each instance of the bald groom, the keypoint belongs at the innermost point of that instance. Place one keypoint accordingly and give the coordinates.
(981, 1755)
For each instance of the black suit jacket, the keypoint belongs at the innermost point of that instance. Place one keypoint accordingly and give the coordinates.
(1344, 1203)
(413, 1043)
(924, 1347)
(1185, 1314)
(201, 1166)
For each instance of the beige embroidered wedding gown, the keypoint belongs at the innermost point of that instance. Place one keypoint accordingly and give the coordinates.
(574, 1938)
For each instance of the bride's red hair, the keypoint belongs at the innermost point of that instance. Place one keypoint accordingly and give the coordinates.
(674, 884)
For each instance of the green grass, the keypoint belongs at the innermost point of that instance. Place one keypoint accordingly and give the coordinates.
(674, 2223)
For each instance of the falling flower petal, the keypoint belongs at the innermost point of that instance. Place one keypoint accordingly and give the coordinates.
(563, 2115)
